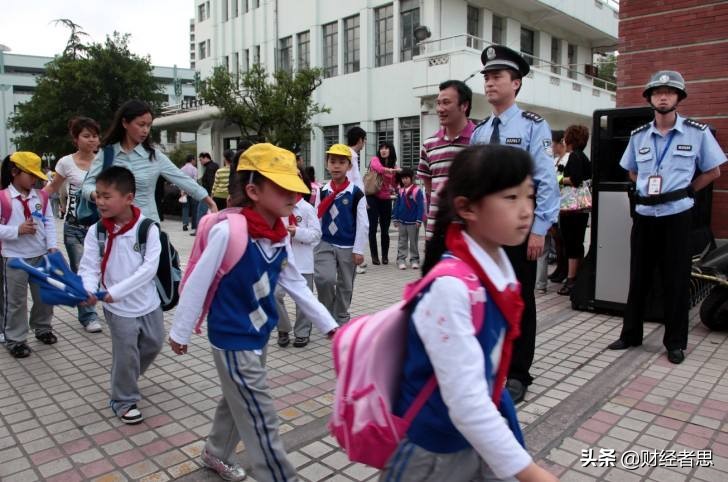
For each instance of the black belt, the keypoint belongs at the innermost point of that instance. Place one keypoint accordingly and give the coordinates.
(665, 197)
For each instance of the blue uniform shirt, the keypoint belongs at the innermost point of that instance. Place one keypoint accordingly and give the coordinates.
(692, 146)
(532, 134)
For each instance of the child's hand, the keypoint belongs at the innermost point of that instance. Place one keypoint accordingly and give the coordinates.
(358, 258)
(53, 250)
(176, 347)
(292, 230)
(108, 298)
(28, 227)
(396, 224)
(90, 301)
(535, 473)
(330, 335)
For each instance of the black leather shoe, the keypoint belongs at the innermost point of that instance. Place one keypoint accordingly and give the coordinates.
(675, 356)
(283, 339)
(376, 261)
(621, 345)
(557, 276)
(20, 351)
(516, 389)
(385, 260)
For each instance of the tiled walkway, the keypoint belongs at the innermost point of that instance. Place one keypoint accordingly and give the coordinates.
(591, 414)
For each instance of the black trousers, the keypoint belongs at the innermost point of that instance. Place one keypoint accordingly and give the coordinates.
(525, 345)
(662, 244)
(573, 228)
(379, 212)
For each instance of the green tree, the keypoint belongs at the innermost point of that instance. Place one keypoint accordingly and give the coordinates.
(91, 80)
(607, 70)
(276, 109)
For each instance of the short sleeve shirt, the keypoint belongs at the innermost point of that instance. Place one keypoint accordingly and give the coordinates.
(74, 176)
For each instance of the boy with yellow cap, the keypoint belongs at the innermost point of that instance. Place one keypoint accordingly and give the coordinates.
(243, 314)
(27, 231)
(342, 209)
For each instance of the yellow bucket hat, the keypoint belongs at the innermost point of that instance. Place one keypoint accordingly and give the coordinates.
(28, 162)
(340, 150)
(275, 163)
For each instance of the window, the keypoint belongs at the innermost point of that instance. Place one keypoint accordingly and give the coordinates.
(384, 35)
(236, 65)
(555, 55)
(285, 54)
(331, 46)
(226, 62)
(207, 9)
(474, 28)
(234, 8)
(256, 55)
(225, 10)
(209, 48)
(571, 53)
(304, 50)
(246, 6)
(256, 3)
(528, 38)
(497, 34)
(331, 137)
(385, 130)
(409, 142)
(203, 50)
(305, 150)
(246, 60)
(409, 20)
(201, 12)
(351, 44)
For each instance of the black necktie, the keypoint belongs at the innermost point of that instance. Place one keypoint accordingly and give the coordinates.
(495, 136)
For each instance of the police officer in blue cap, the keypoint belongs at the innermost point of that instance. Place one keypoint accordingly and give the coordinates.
(662, 158)
(504, 70)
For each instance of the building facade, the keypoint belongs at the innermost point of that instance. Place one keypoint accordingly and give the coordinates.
(378, 76)
(673, 36)
(19, 74)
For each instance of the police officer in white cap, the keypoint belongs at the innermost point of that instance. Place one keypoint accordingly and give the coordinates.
(504, 70)
(662, 158)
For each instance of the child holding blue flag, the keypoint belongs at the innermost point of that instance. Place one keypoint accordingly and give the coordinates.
(27, 231)
(131, 304)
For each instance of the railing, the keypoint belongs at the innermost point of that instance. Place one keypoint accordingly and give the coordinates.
(465, 41)
(184, 106)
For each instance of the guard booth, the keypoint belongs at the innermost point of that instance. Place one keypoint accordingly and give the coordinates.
(604, 279)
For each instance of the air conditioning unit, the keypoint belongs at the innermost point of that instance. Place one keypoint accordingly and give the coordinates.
(591, 70)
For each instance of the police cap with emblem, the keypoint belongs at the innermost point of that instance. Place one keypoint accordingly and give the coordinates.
(666, 78)
(499, 57)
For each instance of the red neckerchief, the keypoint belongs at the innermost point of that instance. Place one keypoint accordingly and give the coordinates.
(407, 192)
(326, 202)
(258, 227)
(509, 302)
(109, 225)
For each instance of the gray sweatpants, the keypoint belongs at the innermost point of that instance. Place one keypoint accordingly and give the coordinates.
(302, 328)
(334, 277)
(408, 234)
(15, 313)
(412, 463)
(135, 343)
(246, 412)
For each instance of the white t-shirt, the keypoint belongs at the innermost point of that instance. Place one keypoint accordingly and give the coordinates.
(67, 168)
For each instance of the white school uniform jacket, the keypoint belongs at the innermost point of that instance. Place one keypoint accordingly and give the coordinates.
(308, 235)
(129, 279)
(26, 245)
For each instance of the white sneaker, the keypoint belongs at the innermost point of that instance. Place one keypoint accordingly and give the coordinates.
(402, 266)
(226, 471)
(2, 337)
(93, 327)
(415, 266)
(361, 269)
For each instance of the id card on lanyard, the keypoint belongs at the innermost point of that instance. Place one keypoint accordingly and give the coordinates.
(654, 182)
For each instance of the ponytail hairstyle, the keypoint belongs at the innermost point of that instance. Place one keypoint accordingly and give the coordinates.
(476, 172)
(129, 111)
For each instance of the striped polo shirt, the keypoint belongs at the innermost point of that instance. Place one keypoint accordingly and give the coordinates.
(437, 153)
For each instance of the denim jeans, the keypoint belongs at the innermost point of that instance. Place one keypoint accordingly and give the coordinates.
(73, 237)
(201, 210)
(189, 208)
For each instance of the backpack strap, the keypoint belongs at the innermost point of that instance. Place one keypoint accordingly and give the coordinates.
(143, 234)
(108, 156)
(456, 268)
(6, 206)
(43, 199)
(101, 236)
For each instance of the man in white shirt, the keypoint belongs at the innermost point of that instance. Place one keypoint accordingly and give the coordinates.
(356, 137)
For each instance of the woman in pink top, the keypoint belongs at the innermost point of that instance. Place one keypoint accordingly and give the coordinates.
(379, 205)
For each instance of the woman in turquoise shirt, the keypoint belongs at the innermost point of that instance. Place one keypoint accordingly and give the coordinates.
(129, 135)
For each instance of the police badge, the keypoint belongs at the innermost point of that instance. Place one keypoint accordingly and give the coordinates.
(664, 78)
(490, 53)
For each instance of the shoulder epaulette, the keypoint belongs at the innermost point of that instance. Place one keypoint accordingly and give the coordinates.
(694, 123)
(640, 128)
(532, 116)
(483, 122)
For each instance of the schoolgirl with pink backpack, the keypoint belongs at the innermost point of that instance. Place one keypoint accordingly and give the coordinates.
(421, 385)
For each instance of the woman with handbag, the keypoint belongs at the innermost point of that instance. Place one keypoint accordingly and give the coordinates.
(132, 148)
(573, 223)
(379, 186)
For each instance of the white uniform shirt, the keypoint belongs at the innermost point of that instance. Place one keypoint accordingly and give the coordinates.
(27, 245)
(129, 279)
(459, 364)
(354, 173)
(308, 235)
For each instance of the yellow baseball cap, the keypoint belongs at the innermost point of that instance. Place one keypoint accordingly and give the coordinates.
(275, 163)
(340, 150)
(28, 162)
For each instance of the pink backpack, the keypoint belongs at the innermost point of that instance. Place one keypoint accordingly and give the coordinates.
(235, 250)
(368, 357)
(6, 204)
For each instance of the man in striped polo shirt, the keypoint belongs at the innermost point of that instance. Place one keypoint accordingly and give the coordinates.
(453, 108)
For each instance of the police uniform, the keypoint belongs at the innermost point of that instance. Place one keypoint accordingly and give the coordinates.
(665, 166)
(530, 132)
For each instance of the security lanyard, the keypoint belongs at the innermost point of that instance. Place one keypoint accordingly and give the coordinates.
(660, 157)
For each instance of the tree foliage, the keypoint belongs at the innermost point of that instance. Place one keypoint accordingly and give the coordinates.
(276, 109)
(607, 70)
(92, 80)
